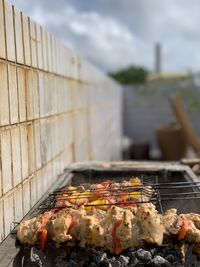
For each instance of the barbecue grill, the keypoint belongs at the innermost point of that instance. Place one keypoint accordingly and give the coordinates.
(174, 185)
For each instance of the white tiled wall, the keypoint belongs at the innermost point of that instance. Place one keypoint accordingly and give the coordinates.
(55, 108)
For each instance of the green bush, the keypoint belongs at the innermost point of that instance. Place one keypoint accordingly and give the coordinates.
(130, 75)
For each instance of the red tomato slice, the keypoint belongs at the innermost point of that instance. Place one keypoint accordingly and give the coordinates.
(184, 230)
(101, 193)
(81, 202)
(107, 183)
(116, 242)
(124, 204)
(99, 186)
(111, 200)
(72, 224)
(43, 239)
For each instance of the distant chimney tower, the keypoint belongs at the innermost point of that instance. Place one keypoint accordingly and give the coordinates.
(158, 58)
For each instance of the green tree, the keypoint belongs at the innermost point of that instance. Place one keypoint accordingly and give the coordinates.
(130, 75)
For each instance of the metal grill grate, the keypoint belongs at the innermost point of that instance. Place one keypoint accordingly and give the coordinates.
(149, 191)
(115, 190)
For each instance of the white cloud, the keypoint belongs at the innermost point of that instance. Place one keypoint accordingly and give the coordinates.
(102, 39)
(116, 33)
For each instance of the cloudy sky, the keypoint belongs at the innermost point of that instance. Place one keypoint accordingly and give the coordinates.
(116, 33)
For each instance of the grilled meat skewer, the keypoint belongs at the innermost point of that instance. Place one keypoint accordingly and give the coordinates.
(108, 193)
(115, 229)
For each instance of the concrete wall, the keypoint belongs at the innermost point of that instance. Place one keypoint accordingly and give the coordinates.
(55, 108)
(145, 107)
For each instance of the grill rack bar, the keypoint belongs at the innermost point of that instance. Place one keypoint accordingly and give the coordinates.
(112, 193)
(177, 183)
(174, 185)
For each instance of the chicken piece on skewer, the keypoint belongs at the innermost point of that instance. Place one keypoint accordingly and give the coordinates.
(171, 222)
(116, 230)
(29, 231)
(63, 222)
(191, 227)
(150, 223)
(186, 228)
(192, 217)
(173, 226)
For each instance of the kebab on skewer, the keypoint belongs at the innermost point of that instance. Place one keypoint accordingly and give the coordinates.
(115, 229)
(105, 194)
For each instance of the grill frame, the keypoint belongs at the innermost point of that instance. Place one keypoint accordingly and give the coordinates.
(8, 250)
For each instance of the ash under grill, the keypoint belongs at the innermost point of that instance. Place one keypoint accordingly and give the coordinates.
(174, 188)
